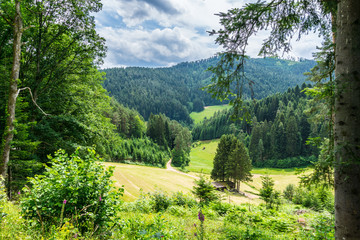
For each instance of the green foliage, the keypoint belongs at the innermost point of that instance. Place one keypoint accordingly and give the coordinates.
(268, 193)
(160, 200)
(170, 90)
(172, 135)
(220, 221)
(314, 197)
(231, 161)
(323, 168)
(147, 227)
(76, 188)
(289, 192)
(221, 159)
(204, 191)
(140, 150)
(278, 133)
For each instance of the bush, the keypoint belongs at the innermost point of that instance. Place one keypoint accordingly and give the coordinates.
(160, 200)
(73, 188)
(181, 199)
(289, 192)
(316, 198)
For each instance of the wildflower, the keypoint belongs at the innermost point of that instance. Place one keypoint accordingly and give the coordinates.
(195, 234)
(201, 216)
(194, 224)
(64, 202)
(19, 192)
(100, 199)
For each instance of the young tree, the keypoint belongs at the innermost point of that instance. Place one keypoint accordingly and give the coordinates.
(268, 193)
(286, 19)
(204, 191)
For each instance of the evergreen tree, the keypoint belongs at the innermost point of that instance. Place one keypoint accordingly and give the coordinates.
(239, 164)
(224, 148)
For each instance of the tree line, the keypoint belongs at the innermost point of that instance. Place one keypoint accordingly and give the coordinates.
(279, 132)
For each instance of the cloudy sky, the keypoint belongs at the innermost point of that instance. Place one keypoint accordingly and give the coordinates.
(156, 33)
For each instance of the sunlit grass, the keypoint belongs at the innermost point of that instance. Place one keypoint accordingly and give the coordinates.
(201, 160)
(135, 177)
(202, 156)
(208, 112)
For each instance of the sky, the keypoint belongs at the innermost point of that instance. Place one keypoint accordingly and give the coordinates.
(161, 33)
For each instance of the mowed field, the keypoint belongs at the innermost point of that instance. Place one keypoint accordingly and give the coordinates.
(208, 112)
(148, 179)
(201, 160)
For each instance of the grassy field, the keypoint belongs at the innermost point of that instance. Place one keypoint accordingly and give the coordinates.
(148, 179)
(136, 178)
(201, 157)
(208, 112)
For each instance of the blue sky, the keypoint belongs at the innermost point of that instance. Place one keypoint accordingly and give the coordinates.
(157, 33)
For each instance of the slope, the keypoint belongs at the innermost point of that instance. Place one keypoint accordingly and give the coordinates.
(175, 91)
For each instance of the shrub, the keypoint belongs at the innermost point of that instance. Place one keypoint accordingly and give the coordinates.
(179, 211)
(315, 198)
(160, 200)
(181, 199)
(2, 199)
(221, 208)
(73, 188)
(289, 192)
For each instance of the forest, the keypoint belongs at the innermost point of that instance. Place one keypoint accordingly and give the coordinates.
(67, 126)
(279, 132)
(60, 101)
(177, 91)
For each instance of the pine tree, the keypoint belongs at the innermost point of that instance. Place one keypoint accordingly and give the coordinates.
(239, 164)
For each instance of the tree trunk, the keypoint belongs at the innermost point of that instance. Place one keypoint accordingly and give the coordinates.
(347, 121)
(13, 91)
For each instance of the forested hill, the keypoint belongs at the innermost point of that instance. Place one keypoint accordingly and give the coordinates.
(176, 91)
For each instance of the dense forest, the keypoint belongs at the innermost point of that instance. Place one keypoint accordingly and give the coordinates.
(59, 101)
(176, 91)
(279, 131)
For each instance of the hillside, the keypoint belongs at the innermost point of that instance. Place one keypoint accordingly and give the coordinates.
(176, 91)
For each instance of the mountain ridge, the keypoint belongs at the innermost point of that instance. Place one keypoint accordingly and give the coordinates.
(176, 91)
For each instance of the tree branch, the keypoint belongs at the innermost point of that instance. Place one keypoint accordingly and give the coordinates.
(32, 98)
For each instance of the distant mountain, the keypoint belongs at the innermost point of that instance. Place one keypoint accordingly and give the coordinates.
(176, 91)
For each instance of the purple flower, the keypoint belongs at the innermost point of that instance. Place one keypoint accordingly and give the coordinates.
(194, 224)
(64, 202)
(195, 234)
(100, 199)
(201, 216)
(19, 192)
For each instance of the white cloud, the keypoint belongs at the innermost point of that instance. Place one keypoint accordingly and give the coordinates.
(164, 32)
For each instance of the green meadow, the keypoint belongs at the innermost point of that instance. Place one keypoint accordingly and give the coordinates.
(201, 161)
(208, 112)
